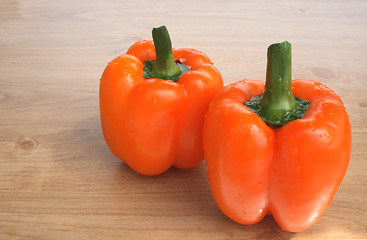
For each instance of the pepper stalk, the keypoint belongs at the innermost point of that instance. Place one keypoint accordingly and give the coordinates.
(164, 66)
(277, 105)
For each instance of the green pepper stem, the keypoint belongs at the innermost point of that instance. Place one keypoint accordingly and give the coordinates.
(278, 100)
(164, 66)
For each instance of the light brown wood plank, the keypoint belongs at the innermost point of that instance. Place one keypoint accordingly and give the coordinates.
(58, 179)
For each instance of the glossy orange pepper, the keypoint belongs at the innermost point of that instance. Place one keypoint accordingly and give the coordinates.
(292, 171)
(152, 124)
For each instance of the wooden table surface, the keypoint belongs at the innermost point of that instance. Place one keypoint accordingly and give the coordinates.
(58, 178)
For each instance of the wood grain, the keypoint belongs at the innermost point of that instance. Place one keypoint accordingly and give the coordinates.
(58, 179)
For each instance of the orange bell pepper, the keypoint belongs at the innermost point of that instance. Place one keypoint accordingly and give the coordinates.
(291, 170)
(152, 112)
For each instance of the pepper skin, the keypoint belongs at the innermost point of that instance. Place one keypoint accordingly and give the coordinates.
(152, 124)
(292, 171)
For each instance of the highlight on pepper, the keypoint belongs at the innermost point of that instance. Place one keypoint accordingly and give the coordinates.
(152, 104)
(281, 147)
